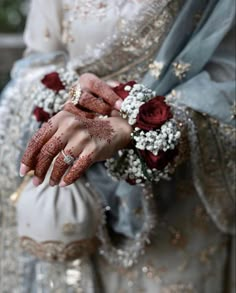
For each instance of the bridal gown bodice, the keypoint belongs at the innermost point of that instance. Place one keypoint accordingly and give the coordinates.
(113, 39)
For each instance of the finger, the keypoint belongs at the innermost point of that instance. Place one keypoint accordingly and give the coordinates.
(69, 107)
(61, 165)
(112, 83)
(115, 113)
(101, 89)
(38, 140)
(94, 104)
(46, 156)
(77, 170)
(74, 148)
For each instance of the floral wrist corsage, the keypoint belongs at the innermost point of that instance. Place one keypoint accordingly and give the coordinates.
(52, 92)
(156, 135)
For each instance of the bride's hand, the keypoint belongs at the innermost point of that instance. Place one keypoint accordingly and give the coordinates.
(73, 136)
(97, 95)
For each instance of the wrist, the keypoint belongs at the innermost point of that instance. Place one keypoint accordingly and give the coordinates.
(127, 130)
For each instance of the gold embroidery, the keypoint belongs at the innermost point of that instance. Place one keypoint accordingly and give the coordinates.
(69, 228)
(153, 273)
(181, 69)
(80, 10)
(59, 251)
(177, 238)
(200, 218)
(207, 254)
(156, 69)
(123, 56)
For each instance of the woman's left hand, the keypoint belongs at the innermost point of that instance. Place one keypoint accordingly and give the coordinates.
(76, 142)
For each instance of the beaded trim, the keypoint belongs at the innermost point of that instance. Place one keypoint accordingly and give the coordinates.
(127, 255)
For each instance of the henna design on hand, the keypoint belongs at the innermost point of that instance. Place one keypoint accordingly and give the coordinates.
(60, 167)
(69, 107)
(98, 128)
(80, 166)
(36, 143)
(46, 156)
(94, 104)
(98, 87)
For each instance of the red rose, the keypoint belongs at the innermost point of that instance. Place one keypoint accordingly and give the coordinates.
(120, 89)
(53, 82)
(161, 160)
(153, 114)
(131, 181)
(41, 115)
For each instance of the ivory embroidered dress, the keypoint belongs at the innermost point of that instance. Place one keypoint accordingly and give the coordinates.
(183, 49)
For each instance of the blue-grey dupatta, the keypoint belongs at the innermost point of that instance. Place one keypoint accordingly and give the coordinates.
(201, 41)
(208, 88)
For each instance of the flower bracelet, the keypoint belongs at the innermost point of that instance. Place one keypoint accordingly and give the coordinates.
(155, 137)
(52, 92)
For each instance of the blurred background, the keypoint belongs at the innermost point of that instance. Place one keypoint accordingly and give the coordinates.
(12, 20)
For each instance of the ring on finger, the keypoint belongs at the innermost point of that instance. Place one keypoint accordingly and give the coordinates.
(68, 159)
(75, 94)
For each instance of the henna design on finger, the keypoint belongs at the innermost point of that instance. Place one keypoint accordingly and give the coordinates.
(35, 144)
(77, 170)
(94, 104)
(46, 156)
(69, 107)
(60, 166)
(98, 128)
(98, 87)
(103, 90)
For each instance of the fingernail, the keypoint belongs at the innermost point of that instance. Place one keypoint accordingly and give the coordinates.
(37, 181)
(62, 184)
(52, 183)
(23, 170)
(113, 83)
(118, 104)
